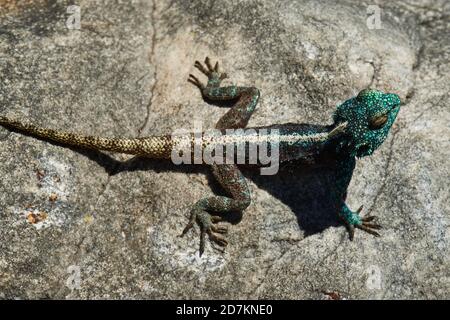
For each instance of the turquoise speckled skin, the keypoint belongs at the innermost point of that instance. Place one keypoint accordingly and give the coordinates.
(365, 138)
(368, 118)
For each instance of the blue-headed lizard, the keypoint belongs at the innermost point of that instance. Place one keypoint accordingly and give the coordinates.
(360, 126)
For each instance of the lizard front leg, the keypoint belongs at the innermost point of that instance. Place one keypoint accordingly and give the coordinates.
(351, 219)
(247, 97)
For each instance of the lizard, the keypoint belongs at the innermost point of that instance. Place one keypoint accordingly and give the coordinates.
(360, 126)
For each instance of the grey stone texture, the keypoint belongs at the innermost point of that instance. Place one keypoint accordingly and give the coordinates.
(115, 221)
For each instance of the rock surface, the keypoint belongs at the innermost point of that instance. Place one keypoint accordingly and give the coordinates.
(123, 73)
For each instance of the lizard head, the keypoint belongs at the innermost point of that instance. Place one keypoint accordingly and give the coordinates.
(369, 117)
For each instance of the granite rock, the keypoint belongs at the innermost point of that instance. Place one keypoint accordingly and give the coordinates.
(80, 224)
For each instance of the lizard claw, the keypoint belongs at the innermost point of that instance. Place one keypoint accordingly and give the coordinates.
(202, 69)
(195, 81)
(220, 240)
(351, 231)
(208, 65)
(213, 73)
(368, 226)
(207, 227)
(364, 224)
(219, 229)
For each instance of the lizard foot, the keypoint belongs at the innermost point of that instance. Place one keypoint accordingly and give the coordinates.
(208, 226)
(365, 223)
(213, 74)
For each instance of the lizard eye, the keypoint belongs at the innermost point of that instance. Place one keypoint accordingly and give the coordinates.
(378, 122)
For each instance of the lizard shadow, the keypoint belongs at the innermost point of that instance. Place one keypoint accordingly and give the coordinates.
(306, 191)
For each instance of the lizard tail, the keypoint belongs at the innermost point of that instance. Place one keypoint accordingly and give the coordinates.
(159, 147)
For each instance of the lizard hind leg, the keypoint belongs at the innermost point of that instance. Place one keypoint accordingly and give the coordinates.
(232, 180)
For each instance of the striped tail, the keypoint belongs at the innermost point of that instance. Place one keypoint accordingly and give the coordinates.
(154, 146)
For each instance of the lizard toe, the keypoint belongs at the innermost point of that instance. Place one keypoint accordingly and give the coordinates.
(368, 218)
(220, 240)
(219, 229)
(367, 229)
